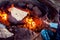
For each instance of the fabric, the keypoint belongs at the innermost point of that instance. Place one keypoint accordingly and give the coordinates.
(54, 25)
(58, 33)
(47, 34)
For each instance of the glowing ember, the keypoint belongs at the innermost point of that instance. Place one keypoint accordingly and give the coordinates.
(3, 17)
(32, 23)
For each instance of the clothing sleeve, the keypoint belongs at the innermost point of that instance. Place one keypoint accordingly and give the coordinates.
(54, 25)
(58, 32)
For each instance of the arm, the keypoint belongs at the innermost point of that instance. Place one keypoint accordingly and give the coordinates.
(51, 24)
(58, 32)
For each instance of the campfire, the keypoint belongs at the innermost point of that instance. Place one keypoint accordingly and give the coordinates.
(31, 23)
(26, 19)
(32, 19)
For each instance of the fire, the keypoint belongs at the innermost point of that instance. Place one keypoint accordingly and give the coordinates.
(3, 17)
(32, 23)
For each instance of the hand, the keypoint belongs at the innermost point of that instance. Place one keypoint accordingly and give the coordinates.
(46, 22)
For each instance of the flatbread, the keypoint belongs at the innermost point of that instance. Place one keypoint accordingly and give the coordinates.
(18, 14)
(4, 33)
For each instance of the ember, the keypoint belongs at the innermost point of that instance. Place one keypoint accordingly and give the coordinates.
(3, 15)
(30, 23)
(4, 18)
(33, 23)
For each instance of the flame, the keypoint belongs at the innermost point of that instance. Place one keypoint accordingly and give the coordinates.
(32, 23)
(3, 17)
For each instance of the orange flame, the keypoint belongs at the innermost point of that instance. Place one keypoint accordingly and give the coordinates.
(30, 23)
(3, 17)
(33, 23)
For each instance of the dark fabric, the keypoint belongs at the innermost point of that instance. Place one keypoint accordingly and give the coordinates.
(58, 33)
(48, 34)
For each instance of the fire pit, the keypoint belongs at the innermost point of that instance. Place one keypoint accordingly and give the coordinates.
(26, 14)
(14, 15)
